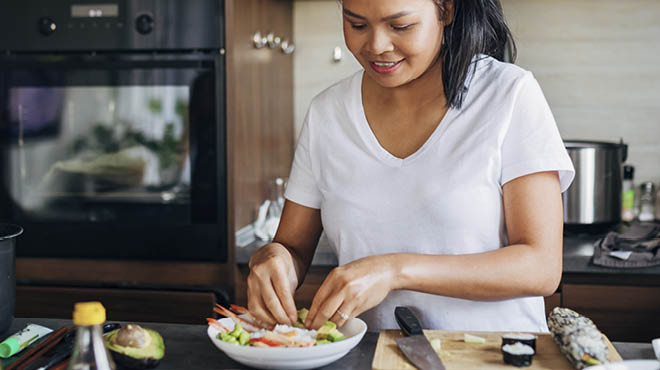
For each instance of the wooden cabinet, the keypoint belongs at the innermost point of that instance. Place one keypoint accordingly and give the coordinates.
(130, 290)
(259, 103)
(551, 302)
(147, 305)
(623, 312)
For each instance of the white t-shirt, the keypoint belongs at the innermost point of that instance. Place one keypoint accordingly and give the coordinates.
(446, 198)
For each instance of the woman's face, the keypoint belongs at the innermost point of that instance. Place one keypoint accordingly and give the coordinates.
(395, 41)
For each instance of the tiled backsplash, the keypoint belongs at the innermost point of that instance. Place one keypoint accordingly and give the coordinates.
(598, 62)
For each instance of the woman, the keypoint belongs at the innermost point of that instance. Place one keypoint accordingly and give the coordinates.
(436, 174)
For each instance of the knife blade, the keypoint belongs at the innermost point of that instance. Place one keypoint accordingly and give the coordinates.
(414, 345)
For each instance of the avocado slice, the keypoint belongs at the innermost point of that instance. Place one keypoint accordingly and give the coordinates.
(335, 335)
(324, 331)
(134, 347)
(302, 316)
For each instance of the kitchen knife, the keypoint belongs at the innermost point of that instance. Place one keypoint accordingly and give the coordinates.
(414, 345)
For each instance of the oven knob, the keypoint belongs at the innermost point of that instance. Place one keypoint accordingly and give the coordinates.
(144, 24)
(46, 26)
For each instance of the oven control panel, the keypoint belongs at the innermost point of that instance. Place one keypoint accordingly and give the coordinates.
(115, 25)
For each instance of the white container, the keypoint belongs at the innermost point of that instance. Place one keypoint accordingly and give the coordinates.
(647, 202)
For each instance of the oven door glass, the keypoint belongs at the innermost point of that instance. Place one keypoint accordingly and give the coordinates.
(106, 154)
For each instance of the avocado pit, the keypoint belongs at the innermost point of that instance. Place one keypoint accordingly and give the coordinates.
(133, 336)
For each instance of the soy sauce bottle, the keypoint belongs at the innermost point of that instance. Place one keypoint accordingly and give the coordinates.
(89, 351)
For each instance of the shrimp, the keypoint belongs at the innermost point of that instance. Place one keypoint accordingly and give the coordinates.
(217, 324)
(246, 320)
(285, 340)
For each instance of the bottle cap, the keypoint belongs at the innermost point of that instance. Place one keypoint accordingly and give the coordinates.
(628, 172)
(648, 187)
(88, 313)
(9, 347)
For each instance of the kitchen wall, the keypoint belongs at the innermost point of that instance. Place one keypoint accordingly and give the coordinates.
(598, 62)
(317, 30)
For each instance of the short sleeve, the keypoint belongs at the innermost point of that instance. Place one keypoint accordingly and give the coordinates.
(532, 142)
(301, 186)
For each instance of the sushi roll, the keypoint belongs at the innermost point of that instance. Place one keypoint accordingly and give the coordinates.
(577, 338)
(528, 339)
(517, 354)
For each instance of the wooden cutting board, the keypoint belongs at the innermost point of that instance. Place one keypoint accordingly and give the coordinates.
(456, 354)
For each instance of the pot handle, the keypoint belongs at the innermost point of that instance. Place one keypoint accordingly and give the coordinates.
(624, 150)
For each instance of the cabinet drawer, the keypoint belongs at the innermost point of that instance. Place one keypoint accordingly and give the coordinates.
(120, 304)
(551, 302)
(623, 313)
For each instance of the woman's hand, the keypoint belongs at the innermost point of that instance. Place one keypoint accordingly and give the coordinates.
(352, 289)
(271, 285)
(276, 268)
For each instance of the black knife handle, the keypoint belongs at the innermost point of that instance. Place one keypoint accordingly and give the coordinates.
(407, 321)
(108, 327)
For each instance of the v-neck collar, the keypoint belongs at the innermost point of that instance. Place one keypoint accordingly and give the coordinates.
(374, 145)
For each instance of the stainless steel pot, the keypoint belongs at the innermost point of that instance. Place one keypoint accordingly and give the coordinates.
(8, 234)
(594, 197)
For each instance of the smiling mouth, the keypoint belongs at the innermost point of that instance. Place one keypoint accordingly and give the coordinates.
(385, 64)
(385, 67)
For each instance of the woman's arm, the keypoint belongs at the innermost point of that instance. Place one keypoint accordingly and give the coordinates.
(277, 268)
(530, 265)
(299, 232)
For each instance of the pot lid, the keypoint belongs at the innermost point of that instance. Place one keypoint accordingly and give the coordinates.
(592, 144)
(8, 231)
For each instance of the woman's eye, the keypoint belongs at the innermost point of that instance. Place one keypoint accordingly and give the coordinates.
(401, 28)
(357, 26)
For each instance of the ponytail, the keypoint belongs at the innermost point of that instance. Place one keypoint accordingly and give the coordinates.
(477, 27)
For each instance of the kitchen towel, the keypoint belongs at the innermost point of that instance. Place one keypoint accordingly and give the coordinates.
(638, 245)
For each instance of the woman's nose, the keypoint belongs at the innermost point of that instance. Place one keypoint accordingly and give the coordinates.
(379, 42)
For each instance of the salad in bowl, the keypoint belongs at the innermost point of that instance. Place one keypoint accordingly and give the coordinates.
(244, 340)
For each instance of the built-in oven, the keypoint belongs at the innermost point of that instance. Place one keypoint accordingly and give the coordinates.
(112, 128)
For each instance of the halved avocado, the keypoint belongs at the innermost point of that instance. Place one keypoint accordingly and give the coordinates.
(135, 347)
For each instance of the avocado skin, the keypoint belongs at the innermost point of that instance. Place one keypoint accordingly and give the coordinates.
(134, 363)
(128, 362)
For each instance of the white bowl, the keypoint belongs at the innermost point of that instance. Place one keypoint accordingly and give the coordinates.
(627, 365)
(291, 358)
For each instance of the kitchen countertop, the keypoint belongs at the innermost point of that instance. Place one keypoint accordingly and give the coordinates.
(188, 347)
(324, 256)
(578, 250)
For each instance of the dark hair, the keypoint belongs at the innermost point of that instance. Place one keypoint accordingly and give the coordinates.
(477, 27)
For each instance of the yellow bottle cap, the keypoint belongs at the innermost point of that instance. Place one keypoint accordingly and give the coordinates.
(88, 313)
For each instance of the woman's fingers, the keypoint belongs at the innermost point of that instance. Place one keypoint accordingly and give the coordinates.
(327, 300)
(270, 286)
(257, 307)
(264, 303)
(283, 290)
(317, 302)
(273, 304)
(343, 314)
(327, 310)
